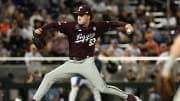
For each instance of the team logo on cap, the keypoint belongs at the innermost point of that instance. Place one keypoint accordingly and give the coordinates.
(94, 28)
(80, 8)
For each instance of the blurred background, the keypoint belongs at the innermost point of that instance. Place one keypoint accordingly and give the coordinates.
(154, 21)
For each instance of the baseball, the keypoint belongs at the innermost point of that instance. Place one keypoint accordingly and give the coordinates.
(129, 31)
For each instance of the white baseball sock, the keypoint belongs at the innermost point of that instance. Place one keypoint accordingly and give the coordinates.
(73, 93)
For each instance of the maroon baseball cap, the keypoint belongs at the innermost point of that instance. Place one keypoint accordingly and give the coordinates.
(84, 10)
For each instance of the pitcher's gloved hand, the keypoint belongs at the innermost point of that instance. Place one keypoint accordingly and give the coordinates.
(38, 40)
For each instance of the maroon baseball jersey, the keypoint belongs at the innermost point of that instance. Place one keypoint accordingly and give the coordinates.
(82, 39)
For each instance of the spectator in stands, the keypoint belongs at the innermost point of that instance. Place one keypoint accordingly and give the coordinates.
(16, 43)
(3, 51)
(97, 5)
(38, 23)
(27, 30)
(10, 7)
(114, 49)
(171, 20)
(126, 4)
(124, 14)
(138, 32)
(26, 6)
(13, 25)
(153, 95)
(18, 16)
(127, 53)
(36, 16)
(33, 65)
(61, 43)
(113, 10)
(156, 33)
(49, 50)
(141, 77)
(131, 64)
(155, 5)
(112, 6)
(47, 18)
(134, 49)
(5, 14)
(137, 39)
(166, 36)
(123, 38)
(66, 17)
(130, 77)
(151, 45)
(4, 29)
(164, 48)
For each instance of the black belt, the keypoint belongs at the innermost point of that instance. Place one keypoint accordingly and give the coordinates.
(78, 58)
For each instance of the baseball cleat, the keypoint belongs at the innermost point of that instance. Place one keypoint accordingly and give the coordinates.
(137, 98)
(133, 98)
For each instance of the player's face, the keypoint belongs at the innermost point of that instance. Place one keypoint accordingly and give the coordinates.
(33, 50)
(83, 19)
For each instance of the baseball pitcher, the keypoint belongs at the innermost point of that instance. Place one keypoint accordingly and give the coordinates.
(82, 35)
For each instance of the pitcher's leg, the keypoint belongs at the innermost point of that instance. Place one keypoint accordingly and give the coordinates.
(92, 74)
(51, 77)
(75, 83)
(95, 92)
(73, 93)
(177, 96)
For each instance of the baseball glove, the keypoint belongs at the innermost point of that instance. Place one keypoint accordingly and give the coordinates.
(38, 40)
(166, 88)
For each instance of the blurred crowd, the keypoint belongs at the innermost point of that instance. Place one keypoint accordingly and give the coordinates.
(154, 22)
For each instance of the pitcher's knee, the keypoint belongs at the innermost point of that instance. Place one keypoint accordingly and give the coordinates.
(102, 88)
(48, 78)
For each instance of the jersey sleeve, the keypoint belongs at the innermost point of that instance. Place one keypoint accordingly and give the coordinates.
(105, 25)
(117, 23)
(58, 26)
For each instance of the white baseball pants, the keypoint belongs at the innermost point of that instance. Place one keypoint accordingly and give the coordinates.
(177, 96)
(86, 68)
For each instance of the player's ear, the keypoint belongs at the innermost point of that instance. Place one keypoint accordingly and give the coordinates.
(89, 17)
